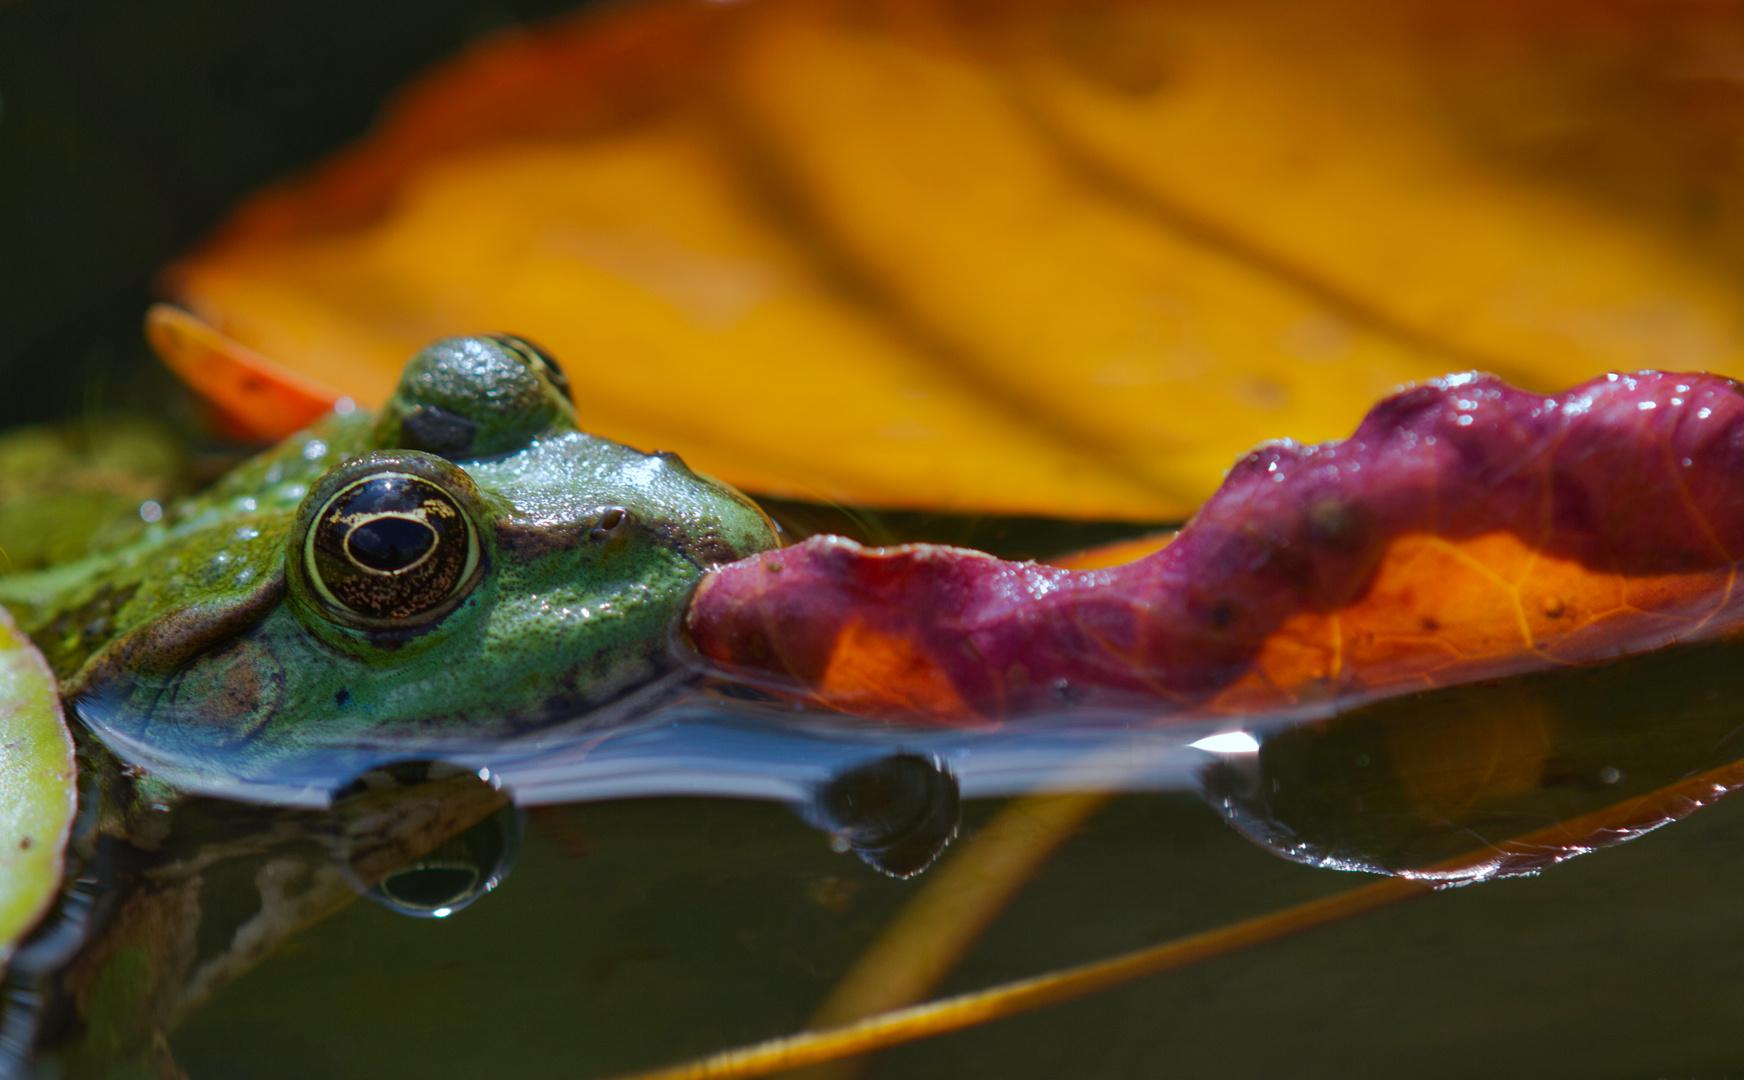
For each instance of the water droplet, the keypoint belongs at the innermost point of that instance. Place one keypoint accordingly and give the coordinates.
(150, 511)
(314, 450)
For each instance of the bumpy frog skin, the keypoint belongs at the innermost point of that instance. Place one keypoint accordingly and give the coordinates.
(468, 559)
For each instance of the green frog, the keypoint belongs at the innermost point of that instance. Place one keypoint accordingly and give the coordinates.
(465, 560)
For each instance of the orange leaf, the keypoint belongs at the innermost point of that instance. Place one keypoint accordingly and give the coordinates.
(1039, 257)
(255, 398)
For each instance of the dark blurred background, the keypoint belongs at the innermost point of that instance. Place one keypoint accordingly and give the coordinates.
(128, 129)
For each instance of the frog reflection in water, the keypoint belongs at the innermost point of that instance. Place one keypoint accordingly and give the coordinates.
(466, 558)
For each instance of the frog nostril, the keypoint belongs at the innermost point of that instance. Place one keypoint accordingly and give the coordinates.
(609, 520)
(390, 543)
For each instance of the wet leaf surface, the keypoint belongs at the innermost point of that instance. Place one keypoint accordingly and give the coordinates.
(37, 786)
(1032, 258)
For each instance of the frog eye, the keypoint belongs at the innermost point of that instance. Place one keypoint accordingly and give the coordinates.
(391, 547)
(537, 359)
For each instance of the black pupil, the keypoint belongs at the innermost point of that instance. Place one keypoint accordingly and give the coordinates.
(390, 543)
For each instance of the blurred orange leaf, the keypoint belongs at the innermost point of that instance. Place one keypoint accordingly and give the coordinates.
(1035, 257)
(256, 397)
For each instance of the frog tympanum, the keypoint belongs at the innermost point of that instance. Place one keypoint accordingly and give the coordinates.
(466, 558)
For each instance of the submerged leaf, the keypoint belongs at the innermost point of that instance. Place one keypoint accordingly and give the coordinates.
(37, 792)
(1467, 530)
(1039, 257)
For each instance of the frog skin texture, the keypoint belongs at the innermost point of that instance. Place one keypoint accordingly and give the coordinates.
(467, 556)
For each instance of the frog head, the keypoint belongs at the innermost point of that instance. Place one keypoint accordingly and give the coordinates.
(467, 561)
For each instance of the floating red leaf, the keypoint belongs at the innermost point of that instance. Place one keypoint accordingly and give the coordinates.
(1467, 530)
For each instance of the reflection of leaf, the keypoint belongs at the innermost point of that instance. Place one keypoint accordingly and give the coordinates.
(37, 794)
(1465, 531)
(1040, 257)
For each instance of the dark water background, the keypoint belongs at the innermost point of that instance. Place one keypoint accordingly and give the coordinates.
(635, 932)
(128, 129)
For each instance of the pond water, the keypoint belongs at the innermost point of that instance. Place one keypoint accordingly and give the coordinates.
(682, 926)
